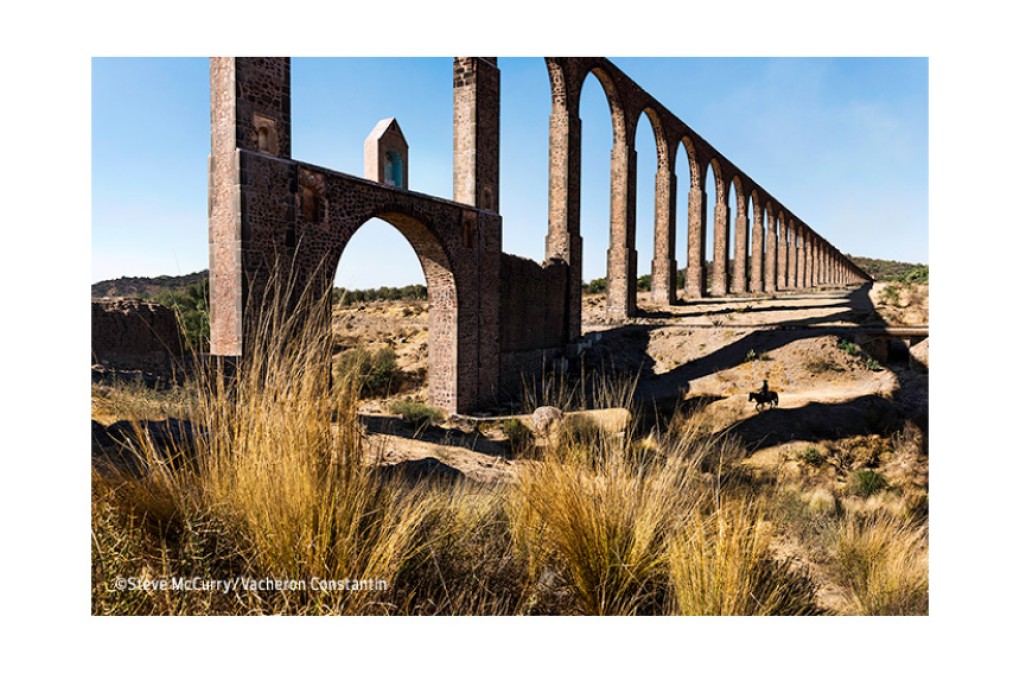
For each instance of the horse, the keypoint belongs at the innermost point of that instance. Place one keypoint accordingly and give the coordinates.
(764, 399)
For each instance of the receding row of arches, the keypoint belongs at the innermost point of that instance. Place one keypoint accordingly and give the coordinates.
(739, 238)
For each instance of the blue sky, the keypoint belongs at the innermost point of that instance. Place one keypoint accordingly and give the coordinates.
(842, 141)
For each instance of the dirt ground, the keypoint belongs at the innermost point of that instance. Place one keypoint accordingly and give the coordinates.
(713, 352)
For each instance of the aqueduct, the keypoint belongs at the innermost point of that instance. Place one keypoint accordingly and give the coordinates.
(492, 315)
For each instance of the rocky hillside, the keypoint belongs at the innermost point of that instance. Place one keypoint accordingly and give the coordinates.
(145, 287)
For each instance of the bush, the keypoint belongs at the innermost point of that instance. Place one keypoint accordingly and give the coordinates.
(342, 296)
(191, 305)
(419, 415)
(275, 485)
(891, 294)
(519, 437)
(918, 274)
(596, 285)
(644, 282)
(867, 482)
(811, 456)
(375, 372)
(851, 348)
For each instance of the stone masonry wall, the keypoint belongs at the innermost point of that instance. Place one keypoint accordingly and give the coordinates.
(298, 219)
(532, 304)
(134, 334)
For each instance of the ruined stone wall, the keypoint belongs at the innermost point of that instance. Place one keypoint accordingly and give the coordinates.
(532, 303)
(134, 334)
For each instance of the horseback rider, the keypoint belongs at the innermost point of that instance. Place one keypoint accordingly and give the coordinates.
(765, 398)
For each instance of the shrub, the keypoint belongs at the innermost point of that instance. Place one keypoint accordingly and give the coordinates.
(274, 483)
(419, 415)
(918, 274)
(754, 356)
(345, 297)
(596, 285)
(519, 437)
(867, 482)
(191, 305)
(851, 348)
(580, 439)
(375, 372)
(872, 365)
(811, 456)
(644, 282)
(891, 294)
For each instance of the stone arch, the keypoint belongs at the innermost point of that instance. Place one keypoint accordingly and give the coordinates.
(654, 230)
(662, 149)
(558, 85)
(692, 162)
(720, 179)
(622, 133)
(442, 283)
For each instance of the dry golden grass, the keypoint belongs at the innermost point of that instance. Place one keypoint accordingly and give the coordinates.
(722, 565)
(276, 467)
(135, 401)
(604, 527)
(277, 483)
(883, 563)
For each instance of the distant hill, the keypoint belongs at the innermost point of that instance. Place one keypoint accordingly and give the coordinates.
(889, 270)
(144, 286)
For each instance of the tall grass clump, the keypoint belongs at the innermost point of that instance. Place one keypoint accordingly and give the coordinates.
(469, 564)
(600, 513)
(721, 565)
(883, 563)
(600, 388)
(276, 466)
(604, 528)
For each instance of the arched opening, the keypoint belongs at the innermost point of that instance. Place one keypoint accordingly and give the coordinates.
(267, 138)
(649, 161)
(731, 237)
(395, 317)
(600, 132)
(687, 180)
(755, 243)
